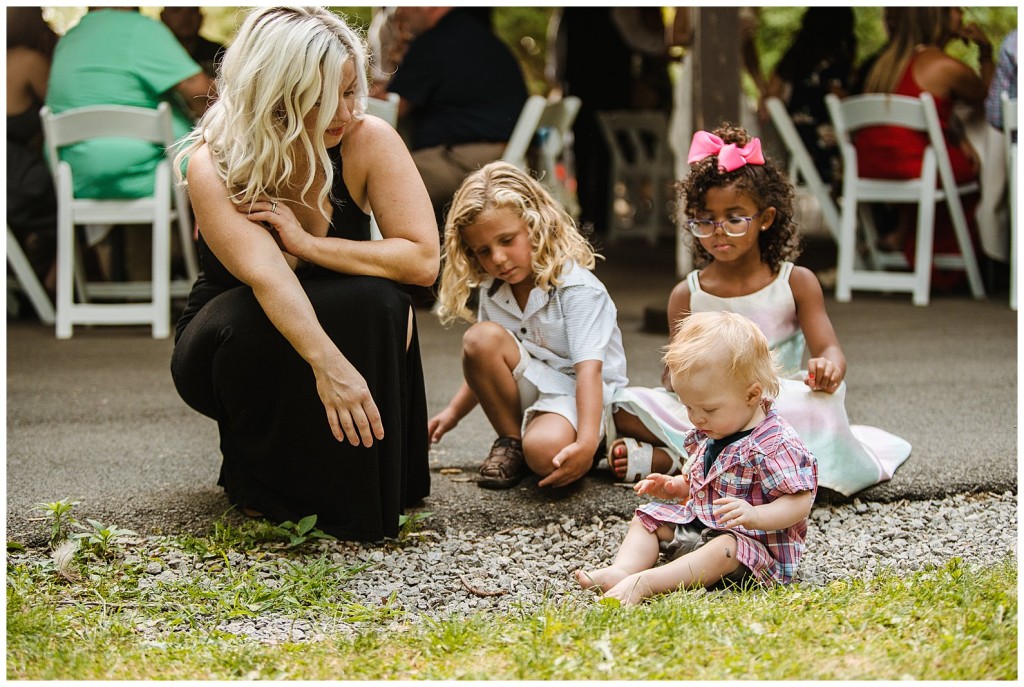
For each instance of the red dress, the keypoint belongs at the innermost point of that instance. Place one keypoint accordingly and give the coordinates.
(890, 152)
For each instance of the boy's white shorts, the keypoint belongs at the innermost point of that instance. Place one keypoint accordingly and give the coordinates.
(533, 401)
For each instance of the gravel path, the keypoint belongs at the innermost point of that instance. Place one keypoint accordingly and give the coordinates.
(459, 572)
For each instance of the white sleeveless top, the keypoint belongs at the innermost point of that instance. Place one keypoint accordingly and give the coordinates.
(772, 309)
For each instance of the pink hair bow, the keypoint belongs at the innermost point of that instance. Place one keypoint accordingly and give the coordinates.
(730, 157)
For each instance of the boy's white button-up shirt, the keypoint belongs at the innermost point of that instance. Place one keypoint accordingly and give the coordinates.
(574, 322)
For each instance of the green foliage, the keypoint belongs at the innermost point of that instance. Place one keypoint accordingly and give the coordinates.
(59, 518)
(953, 622)
(411, 523)
(297, 534)
(98, 537)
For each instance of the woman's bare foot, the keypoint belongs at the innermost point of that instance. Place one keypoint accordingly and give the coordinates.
(602, 579)
(619, 462)
(630, 590)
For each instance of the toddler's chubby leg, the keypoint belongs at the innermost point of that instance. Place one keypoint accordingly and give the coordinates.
(489, 355)
(703, 567)
(639, 551)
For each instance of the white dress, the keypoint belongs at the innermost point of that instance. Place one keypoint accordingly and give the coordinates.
(850, 457)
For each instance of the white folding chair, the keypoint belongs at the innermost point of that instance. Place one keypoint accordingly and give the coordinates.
(553, 131)
(388, 111)
(801, 165)
(1009, 129)
(877, 109)
(27, 280)
(523, 132)
(80, 124)
(642, 172)
(547, 125)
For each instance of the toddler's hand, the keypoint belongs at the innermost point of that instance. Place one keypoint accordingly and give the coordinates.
(823, 375)
(664, 487)
(733, 512)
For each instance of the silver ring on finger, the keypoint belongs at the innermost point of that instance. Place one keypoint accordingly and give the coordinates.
(273, 206)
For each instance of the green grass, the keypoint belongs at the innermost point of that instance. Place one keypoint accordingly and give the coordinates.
(115, 621)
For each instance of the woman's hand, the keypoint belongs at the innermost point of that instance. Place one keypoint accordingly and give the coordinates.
(823, 375)
(351, 410)
(659, 486)
(282, 224)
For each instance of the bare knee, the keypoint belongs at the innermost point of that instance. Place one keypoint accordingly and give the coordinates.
(539, 450)
(483, 339)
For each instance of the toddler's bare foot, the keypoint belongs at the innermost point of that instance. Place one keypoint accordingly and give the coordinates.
(630, 590)
(600, 580)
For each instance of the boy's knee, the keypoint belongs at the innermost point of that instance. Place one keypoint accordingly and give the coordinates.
(483, 338)
(539, 453)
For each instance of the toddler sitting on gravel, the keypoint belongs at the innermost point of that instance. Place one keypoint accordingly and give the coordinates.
(743, 498)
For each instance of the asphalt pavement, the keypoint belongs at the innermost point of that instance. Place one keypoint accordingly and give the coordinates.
(96, 418)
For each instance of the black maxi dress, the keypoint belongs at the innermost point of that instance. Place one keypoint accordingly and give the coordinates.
(279, 457)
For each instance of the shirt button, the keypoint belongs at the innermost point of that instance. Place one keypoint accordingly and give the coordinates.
(522, 329)
(700, 494)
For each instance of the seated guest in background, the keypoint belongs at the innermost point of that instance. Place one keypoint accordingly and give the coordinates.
(461, 91)
(913, 63)
(184, 23)
(819, 61)
(116, 56)
(1004, 80)
(31, 203)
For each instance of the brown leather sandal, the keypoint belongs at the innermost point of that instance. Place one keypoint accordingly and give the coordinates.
(504, 466)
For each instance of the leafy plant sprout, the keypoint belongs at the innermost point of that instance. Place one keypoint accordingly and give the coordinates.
(59, 518)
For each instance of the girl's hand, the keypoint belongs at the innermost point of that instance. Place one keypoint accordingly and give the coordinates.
(441, 424)
(823, 375)
(351, 410)
(663, 487)
(571, 463)
(733, 512)
(282, 224)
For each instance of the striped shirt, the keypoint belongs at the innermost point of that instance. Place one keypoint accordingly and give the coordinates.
(575, 322)
(770, 462)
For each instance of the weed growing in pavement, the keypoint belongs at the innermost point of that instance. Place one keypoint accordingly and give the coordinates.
(58, 516)
(298, 533)
(99, 538)
(410, 525)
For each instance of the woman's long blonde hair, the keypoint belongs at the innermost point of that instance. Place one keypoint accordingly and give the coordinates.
(284, 62)
(909, 27)
(554, 239)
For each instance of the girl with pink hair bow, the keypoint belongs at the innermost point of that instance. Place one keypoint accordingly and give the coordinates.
(739, 210)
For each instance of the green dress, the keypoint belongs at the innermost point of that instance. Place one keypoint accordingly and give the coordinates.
(118, 57)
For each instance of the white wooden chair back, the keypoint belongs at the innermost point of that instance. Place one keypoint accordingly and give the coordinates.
(642, 173)
(801, 164)
(154, 126)
(854, 113)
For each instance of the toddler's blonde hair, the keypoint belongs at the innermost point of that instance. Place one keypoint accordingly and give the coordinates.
(554, 239)
(284, 62)
(707, 339)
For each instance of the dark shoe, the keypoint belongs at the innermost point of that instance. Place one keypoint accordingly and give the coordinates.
(504, 466)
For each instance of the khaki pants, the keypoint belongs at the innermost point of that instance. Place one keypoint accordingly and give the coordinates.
(443, 169)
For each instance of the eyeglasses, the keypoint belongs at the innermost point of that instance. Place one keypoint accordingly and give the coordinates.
(732, 226)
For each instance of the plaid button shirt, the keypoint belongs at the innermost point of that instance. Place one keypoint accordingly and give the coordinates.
(768, 463)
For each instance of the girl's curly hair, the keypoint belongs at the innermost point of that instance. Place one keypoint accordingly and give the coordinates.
(553, 235)
(767, 184)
